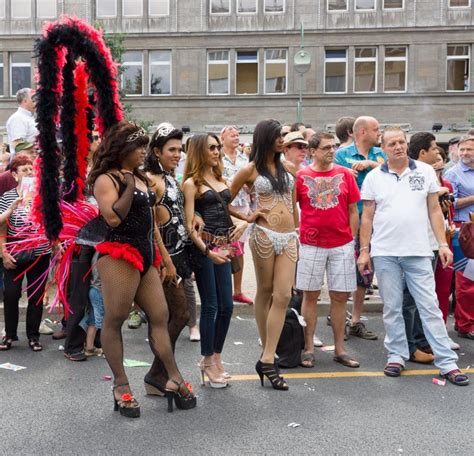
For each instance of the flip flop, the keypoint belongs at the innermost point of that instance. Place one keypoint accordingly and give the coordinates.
(393, 369)
(307, 358)
(346, 360)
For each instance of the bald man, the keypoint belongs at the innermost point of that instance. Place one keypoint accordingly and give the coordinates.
(362, 156)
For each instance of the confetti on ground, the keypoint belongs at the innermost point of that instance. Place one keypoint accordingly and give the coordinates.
(61, 348)
(135, 363)
(238, 343)
(12, 367)
(106, 378)
(328, 348)
(364, 318)
(294, 425)
(439, 381)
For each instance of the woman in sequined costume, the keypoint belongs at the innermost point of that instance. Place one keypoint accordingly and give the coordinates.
(128, 262)
(273, 239)
(164, 154)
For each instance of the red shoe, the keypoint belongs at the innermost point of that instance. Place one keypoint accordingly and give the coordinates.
(243, 299)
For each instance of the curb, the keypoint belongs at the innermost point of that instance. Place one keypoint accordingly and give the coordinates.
(373, 306)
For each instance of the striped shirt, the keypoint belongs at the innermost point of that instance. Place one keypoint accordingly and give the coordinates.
(18, 220)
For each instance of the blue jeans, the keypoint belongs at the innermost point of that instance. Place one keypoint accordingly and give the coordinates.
(214, 284)
(413, 327)
(392, 273)
(95, 314)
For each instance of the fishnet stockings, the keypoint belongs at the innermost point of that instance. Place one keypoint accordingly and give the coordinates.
(178, 318)
(121, 285)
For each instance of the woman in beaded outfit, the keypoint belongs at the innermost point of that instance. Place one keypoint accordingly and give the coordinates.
(164, 154)
(128, 262)
(273, 239)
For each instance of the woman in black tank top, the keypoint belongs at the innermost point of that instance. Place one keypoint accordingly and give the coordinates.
(128, 266)
(206, 192)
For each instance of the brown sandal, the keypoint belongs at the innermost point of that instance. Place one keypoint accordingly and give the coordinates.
(346, 360)
(307, 358)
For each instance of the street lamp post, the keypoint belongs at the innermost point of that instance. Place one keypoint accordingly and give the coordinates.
(302, 63)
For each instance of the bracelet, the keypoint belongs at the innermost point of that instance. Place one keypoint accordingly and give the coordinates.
(443, 245)
(364, 248)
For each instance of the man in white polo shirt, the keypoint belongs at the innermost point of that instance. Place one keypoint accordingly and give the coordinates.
(400, 200)
(21, 125)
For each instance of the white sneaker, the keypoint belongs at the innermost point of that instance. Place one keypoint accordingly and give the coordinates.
(317, 341)
(45, 329)
(194, 335)
(453, 345)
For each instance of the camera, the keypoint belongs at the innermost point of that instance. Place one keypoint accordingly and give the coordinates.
(446, 197)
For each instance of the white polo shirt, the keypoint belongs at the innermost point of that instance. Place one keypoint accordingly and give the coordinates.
(21, 125)
(401, 220)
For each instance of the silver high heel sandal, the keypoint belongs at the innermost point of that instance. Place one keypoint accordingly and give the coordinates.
(214, 382)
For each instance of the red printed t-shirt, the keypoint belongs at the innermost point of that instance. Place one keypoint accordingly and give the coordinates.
(324, 199)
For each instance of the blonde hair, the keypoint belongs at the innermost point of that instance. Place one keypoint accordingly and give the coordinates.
(195, 165)
(392, 128)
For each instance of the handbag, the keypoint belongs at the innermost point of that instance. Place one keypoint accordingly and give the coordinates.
(466, 238)
(234, 261)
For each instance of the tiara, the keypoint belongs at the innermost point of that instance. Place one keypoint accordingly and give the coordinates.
(164, 129)
(140, 133)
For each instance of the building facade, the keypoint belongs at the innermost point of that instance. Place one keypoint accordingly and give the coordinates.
(206, 63)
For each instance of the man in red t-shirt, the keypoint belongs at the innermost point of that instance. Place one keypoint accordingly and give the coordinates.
(327, 195)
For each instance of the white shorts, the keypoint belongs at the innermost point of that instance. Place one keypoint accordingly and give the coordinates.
(338, 263)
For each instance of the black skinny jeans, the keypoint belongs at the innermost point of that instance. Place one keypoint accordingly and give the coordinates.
(78, 297)
(12, 294)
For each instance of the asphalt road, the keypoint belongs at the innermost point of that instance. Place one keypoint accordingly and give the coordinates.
(55, 406)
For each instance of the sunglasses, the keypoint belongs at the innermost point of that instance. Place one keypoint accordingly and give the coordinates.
(95, 137)
(300, 146)
(214, 147)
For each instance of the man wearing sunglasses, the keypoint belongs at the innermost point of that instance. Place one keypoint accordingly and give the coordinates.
(296, 149)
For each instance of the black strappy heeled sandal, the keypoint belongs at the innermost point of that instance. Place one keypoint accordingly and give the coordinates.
(183, 401)
(6, 343)
(271, 372)
(127, 404)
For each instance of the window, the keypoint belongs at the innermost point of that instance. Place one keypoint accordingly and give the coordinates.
(46, 8)
(159, 7)
(364, 5)
(218, 73)
(246, 74)
(365, 69)
(274, 6)
(20, 71)
(457, 77)
(392, 4)
(246, 6)
(106, 8)
(21, 9)
(160, 72)
(132, 76)
(133, 8)
(1, 75)
(275, 71)
(2, 9)
(459, 3)
(395, 69)
(335, 71)
(220, 6)
(337, 5)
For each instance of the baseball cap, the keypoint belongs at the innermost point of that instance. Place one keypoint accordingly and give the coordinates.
(454, 140)
(23, 145)
(294, 137)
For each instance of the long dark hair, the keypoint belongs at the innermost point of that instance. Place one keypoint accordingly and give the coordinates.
(114, 148)
(158, 141)
(264, 135)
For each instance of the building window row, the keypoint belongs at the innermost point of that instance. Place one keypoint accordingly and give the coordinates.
(371, 5)
(21, 9)
(132, 8)
(246, 72)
